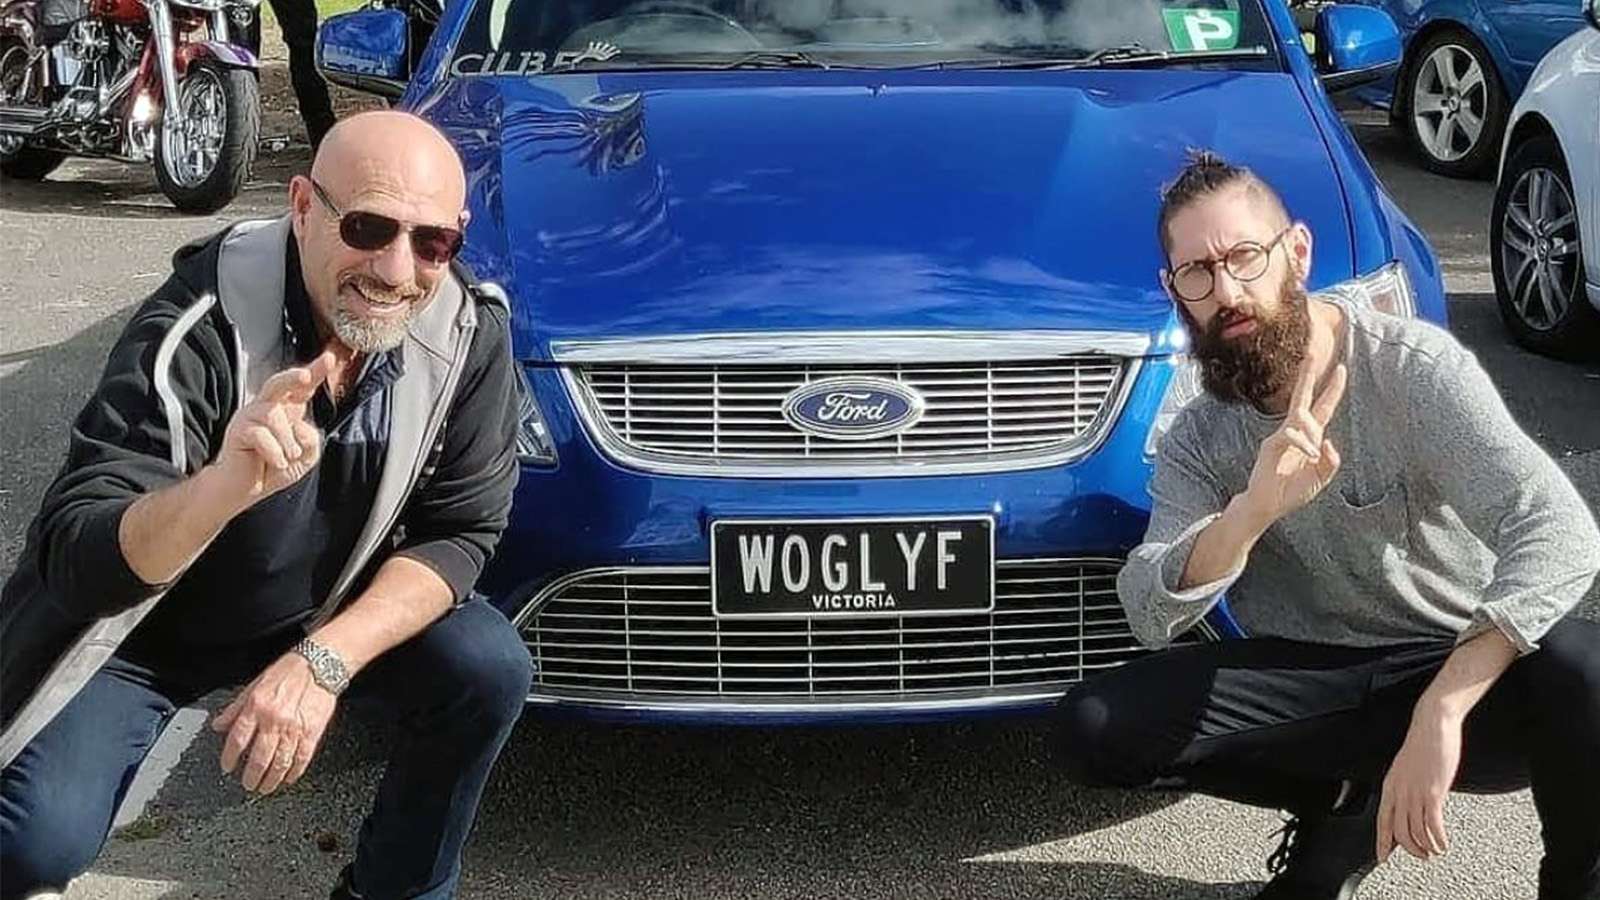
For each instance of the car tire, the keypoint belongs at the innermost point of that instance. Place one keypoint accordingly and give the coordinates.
(1536, 253)
(1452, 80)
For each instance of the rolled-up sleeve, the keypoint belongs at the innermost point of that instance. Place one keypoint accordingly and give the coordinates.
(1512, 496)
(1185, 501)
(456, 517)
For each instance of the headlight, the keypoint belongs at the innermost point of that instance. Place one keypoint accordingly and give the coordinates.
(534, 447)
(1184, 387)
(1387, 290)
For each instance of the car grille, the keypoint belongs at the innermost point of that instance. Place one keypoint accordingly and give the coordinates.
(710, 416)
(643, 633)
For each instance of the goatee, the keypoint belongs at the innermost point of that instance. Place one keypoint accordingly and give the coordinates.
(1254, 367)
(373, 335)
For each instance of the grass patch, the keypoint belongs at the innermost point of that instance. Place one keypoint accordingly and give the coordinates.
(147, 826)
(325, 8)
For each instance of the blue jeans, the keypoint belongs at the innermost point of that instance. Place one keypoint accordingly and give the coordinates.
(455, 690)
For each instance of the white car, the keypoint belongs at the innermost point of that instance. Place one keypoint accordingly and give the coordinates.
(1545, 235)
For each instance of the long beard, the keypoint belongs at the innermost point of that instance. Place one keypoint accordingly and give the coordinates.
(1257, 366)
(373, 335)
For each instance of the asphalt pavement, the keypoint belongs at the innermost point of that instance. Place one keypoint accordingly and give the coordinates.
(577, 810)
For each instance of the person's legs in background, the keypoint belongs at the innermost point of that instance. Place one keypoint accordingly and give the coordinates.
(298, 19)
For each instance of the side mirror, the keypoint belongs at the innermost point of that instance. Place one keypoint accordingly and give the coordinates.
(1356, 45)
(365, 50)
(1592, 10)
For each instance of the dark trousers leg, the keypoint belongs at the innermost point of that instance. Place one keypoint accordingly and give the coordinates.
(59, 796)
(456, 690)
(298, 19)
(1278, 723)
(1245, 720)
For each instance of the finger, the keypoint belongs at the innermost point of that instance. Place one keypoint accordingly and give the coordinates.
(322, 368)
(284, 433)
(1328, 402)
(1410, 829)
(262, 752)
(237, 741)
(223, 720)
(1300, 441)
(304, 752)
(1385, 824)
(289, 386)
(283, 761)
(310, 440)
(265, 445)
(1304, 385)
(1438, 839)
(1331, 460)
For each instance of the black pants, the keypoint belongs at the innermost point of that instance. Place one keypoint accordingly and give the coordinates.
(298, 19)
(1281, 724)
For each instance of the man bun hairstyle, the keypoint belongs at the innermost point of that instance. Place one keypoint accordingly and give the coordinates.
(1204, 174)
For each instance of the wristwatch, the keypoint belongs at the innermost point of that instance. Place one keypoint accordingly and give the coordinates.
(327, 669)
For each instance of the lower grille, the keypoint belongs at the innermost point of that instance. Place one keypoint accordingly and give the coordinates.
(642, 633)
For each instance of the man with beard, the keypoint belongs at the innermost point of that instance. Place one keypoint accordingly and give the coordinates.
(1402, 556)
(299, 457)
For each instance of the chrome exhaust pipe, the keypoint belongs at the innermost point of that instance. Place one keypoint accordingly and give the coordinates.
(23, 120)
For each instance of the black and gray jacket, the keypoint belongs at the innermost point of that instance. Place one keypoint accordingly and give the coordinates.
(194, 352)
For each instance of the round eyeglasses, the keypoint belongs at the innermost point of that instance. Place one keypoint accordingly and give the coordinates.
(1245, 261)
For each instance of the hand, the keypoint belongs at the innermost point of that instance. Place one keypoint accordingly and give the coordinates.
(275, 725)
(269, 443)
(1411, 809)
(1295, 463)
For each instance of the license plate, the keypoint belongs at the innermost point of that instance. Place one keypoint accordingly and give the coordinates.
(764, 568)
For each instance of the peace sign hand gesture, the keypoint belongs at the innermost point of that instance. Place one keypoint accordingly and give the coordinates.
(1296, 462)
(270, 442)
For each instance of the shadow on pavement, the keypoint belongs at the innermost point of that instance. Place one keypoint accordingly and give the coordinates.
(578, 810)
(40, 399)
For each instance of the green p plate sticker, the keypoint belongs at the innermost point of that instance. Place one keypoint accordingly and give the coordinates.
(1202, 29)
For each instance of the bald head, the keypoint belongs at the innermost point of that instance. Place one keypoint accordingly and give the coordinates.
(387, 149)
(389, 167)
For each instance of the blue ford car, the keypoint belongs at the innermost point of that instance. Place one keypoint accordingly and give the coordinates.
(844, 346)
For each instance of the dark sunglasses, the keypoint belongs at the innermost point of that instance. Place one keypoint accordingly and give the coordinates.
(361, 230)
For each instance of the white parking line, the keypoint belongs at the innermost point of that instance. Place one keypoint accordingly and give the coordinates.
(163, 758)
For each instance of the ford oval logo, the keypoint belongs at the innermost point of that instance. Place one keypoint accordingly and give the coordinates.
(853, 409)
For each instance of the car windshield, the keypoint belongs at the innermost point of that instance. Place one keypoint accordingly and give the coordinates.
(531, 37)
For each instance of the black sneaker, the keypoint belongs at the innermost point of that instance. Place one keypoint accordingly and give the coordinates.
(1325, 857)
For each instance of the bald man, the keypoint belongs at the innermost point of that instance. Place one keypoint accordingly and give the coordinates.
(299, 457)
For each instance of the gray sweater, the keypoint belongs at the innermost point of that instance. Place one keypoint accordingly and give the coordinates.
(1444, 520)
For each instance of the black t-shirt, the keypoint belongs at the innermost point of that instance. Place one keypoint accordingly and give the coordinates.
(242, 602)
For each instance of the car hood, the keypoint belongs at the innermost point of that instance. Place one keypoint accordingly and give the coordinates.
(652, 204)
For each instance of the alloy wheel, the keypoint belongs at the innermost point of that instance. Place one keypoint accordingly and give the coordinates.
(1540, 248)
(1450, 102)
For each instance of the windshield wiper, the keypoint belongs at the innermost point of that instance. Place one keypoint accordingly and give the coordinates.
(1105, 57)
(754, 59)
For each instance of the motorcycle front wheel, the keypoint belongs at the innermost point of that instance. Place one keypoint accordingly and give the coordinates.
(17, 159)
(207, 144)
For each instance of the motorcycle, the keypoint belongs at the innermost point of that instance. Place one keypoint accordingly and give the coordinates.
(133, 80)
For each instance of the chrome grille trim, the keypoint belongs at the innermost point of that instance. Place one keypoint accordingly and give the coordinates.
(823, 348)
(722, 420)
(646, 635)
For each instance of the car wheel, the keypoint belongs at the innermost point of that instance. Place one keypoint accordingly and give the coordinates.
(1454, 107)
(1536, 253)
